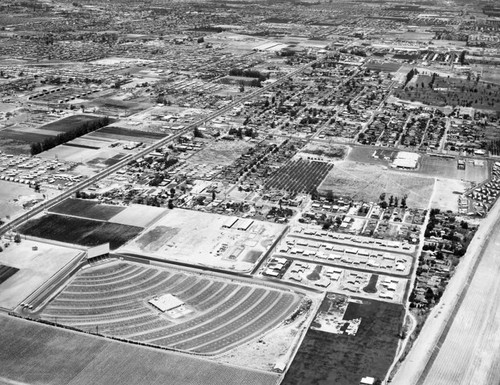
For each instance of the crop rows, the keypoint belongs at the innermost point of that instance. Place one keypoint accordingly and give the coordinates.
(299, 176)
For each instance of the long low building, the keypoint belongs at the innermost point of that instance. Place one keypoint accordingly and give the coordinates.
(407, 160)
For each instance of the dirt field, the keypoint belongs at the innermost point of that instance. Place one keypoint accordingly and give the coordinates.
(447, 168)
(221, 152)
(327, 358)
(365, 155)
(86, 150)
(35, 267)
(200, 238)
(79, 231)
(366, 182)
(447, 192)
(138, 215)
(33, 353)
(334, 152)
(11, 197)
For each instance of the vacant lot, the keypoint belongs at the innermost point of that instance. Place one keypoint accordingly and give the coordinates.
(447, 168)
(365, 155)
(327, 358)
(87, 209)
(447, 192)
(366, 182)
(68, 123)
(79, 231)
(138, 215)
(11, 197)
(32, 353)
(221, 152)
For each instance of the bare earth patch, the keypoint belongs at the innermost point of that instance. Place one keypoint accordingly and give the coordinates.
(366, 182)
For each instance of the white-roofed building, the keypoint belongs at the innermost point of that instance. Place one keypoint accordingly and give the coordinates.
(166, 302)
(406, 160)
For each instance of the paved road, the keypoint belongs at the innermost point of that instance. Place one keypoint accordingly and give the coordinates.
(104, 173)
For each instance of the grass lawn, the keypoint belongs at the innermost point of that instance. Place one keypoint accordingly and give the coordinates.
(327, 358)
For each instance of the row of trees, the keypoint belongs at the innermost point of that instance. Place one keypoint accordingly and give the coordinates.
(410, 76)
(393, 201)
(248, 74)
(75, 132)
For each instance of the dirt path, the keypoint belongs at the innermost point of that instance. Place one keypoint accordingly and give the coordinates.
(462, 355)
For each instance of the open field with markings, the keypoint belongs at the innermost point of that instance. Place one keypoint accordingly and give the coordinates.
(215, 314)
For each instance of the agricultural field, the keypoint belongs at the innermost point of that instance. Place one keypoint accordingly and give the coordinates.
(367, 182)
(87, 209)
(34, 268)
(112, 299)
(115, 107)
(6, 272)
(343, 359)
(299, 176)
(206, 240)
(125, 134)
(69, 123)
(383, 66)
(80, 231)
(17, 141)
(35, 353)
